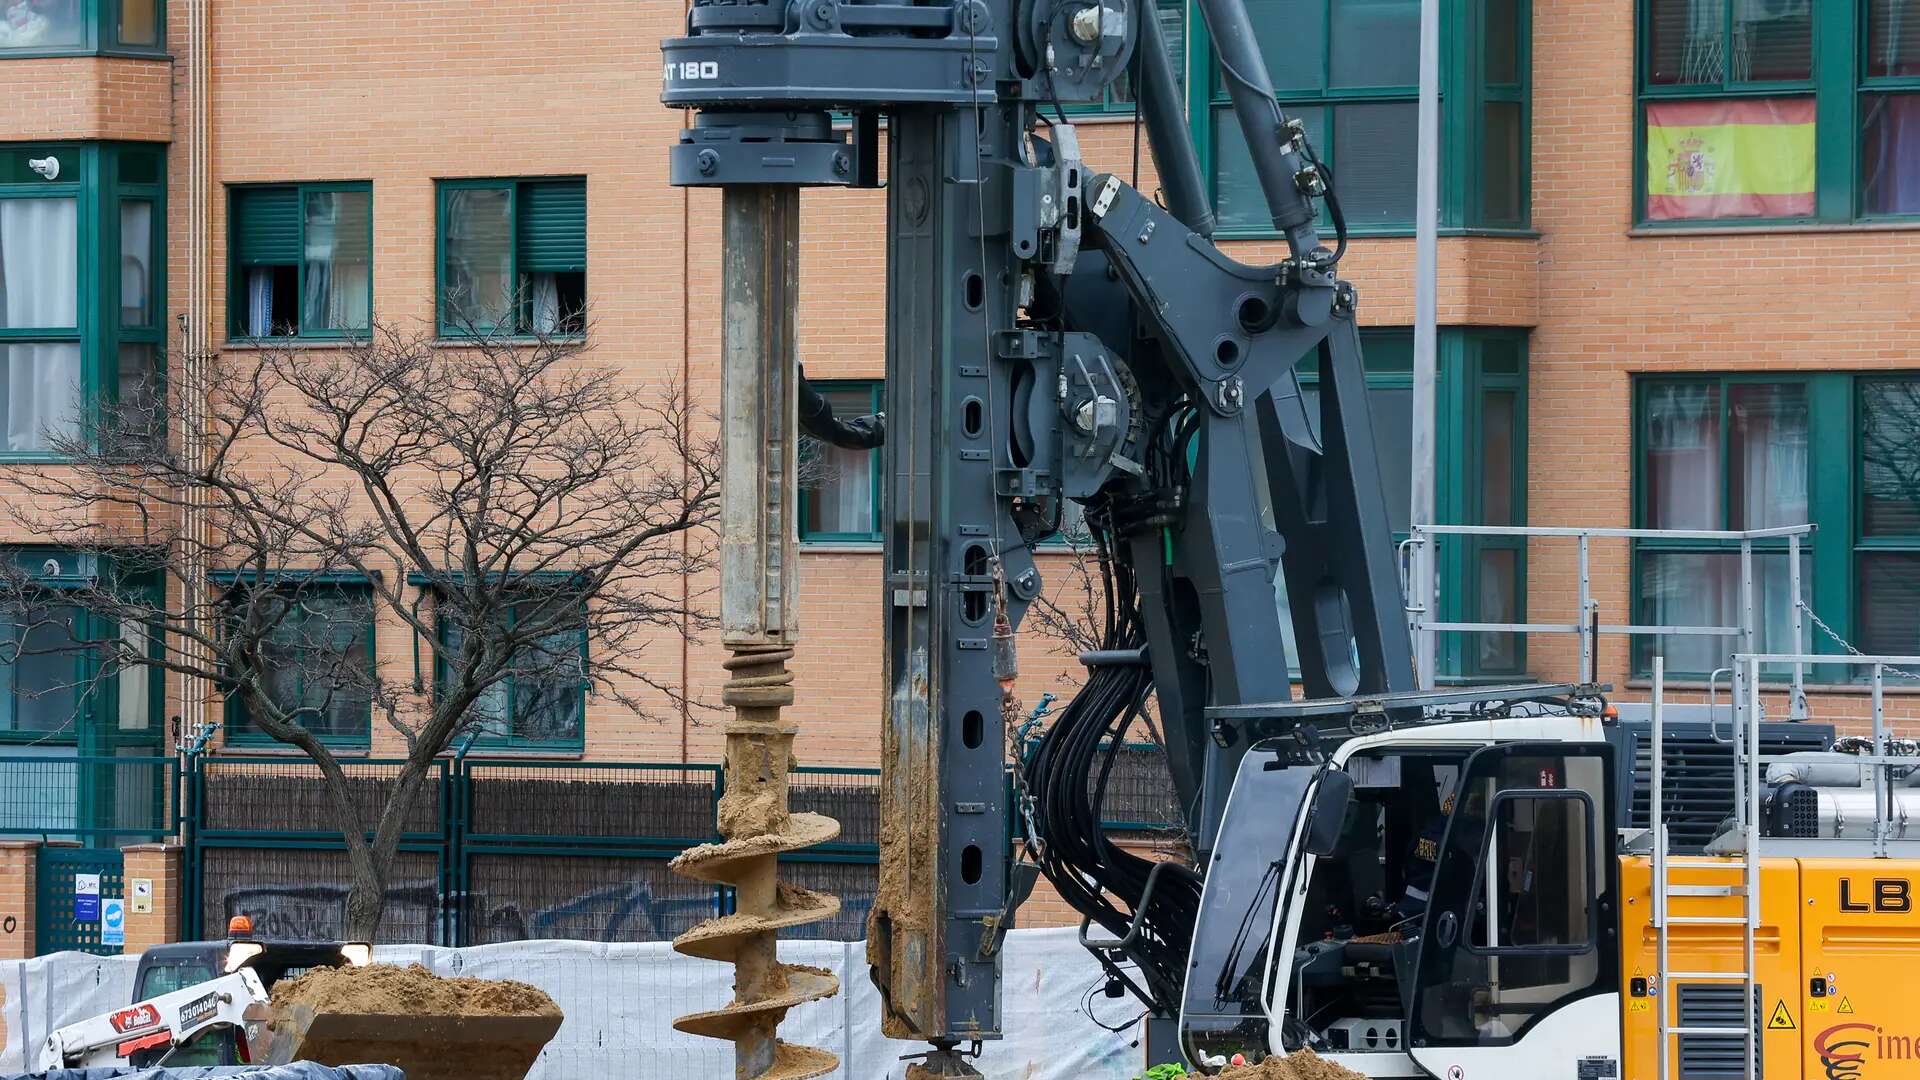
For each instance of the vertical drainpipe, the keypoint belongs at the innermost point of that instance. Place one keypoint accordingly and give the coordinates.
(195, 341)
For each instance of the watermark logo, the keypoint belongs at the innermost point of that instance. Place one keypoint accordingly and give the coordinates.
(1843, 1049)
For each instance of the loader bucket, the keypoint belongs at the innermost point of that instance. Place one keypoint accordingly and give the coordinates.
(424, 1047)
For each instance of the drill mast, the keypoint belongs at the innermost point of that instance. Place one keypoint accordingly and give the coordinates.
(1054, 335)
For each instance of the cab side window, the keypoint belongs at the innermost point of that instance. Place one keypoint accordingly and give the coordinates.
(1538, 874)
(1514, 932)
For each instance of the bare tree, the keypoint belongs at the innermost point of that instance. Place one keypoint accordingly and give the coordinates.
(516, 505)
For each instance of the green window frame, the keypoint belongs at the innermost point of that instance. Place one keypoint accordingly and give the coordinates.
(513, 694)
(114, 340)
(1886, 515)
(274, 282)
(543, 235)
(105, 712)
(1846, 457)
(1481, 440)
(846, 394)
(86, 28)
(342, 607)
(1740, 145)
(1117, 98)
(1486, 146)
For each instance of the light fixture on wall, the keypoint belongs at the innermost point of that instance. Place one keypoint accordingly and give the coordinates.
(48, 167)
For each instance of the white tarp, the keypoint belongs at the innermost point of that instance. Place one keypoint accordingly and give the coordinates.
(620, 1001)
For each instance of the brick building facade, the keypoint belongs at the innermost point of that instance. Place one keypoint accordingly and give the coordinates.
(1647, 319)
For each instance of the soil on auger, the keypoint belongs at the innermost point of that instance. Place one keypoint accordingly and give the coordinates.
(431, 1027)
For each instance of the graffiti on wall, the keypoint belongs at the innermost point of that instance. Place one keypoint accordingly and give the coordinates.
(619, 911)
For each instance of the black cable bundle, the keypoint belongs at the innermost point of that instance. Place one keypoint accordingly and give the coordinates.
(1066, 780)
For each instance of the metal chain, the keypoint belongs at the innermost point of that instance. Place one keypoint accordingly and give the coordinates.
(1821, 625)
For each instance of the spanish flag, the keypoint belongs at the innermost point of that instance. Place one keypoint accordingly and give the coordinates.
(1729, 158)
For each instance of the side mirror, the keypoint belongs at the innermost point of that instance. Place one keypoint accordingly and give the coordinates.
(1329, 812)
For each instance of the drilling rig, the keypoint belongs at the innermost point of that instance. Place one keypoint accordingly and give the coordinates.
(1442, 882)
(1052, 334)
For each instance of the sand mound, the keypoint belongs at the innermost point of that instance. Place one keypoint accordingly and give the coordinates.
(432, 1028)
(409, 991)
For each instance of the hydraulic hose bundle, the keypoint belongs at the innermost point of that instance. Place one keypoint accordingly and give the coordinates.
(1064, 782)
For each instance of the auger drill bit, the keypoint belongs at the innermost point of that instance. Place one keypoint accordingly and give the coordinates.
(760, 244)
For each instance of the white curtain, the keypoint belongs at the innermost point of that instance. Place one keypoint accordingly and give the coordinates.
(1697, 588)
(136, 247)
(336, 292)
(259, 301)
(347, 307)
(1774, 483)
(1704, 61)
(39, 275)
(842, 501)
(1683, 457)
(39, 262)
(546, 302)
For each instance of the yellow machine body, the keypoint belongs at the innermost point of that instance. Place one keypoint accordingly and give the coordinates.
(1836, 957)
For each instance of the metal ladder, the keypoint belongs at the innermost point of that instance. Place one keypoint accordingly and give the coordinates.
(1666, 997)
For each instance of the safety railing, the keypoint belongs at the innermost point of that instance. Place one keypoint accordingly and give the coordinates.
(102, 801)
(1587, 624)
(1750, 712)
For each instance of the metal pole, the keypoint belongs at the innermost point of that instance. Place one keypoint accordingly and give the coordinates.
(1656, 812)
(1880, 751)
(1426, 356)
(1749, 638)
(1797, 709)
(1750, 874)
(1587, 674)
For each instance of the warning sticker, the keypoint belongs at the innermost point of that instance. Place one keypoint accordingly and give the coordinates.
(1781, 1020)
(1820, 1005)
(1639, 1005)
(1846, 1006)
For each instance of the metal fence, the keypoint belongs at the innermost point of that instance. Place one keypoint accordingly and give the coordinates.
(97, 800)
(493, 849)
(501, 849)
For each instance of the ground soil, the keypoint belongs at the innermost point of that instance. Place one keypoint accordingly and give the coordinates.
(410, 991)
(1299, 1065)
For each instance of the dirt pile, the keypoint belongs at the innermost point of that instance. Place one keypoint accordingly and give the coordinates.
(410, 991)
(432, 1028)
(1299, 1065)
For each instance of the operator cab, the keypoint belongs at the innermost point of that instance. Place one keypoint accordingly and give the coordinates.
(1435, 891)
(175, 966)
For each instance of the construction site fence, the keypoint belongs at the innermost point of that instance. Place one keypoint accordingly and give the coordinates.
(510, 849)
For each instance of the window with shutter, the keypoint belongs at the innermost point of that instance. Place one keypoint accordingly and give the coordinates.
(301, 260)
(513, 257)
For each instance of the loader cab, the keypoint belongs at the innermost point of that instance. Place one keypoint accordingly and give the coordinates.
(1423, 897)
(175, 966)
